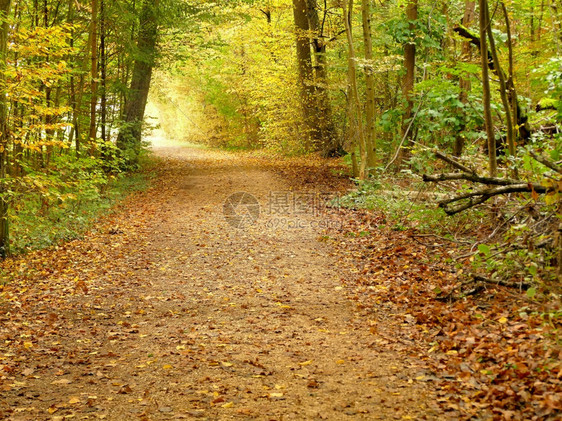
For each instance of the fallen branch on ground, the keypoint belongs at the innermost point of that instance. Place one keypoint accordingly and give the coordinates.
(479, 196)
(480, 278)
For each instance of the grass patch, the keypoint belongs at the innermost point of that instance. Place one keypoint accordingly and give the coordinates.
(39, 220)
(408, 204)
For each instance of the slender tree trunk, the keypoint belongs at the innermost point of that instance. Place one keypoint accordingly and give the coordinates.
(541, 16)
(503, 91)
(4, 133)
(327, 133)
(103, 73)
(408, 82)
(129, 138)
(464, 83)
(304, 66)
(532, 22)
(370, 131)
(510, 83)
(557, 23)
(356, 119)
(484, 22)
(93, 71)
(351, 133)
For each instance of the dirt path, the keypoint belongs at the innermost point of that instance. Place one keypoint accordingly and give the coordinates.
(171, 313)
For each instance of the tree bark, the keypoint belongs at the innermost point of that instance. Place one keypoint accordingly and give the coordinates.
(93, 70)
(129, 138)
(304, 68)
(464, 84)
(484, 22)
(356, 119)
(370, 132)
(4, 133)
(408, 82)
(328, 143)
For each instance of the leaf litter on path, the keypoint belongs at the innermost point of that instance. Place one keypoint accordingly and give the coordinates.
(165, 311)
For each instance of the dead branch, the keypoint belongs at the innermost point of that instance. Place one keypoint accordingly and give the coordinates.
(480, 278)
(547, 162)
(453, 162)
(471, 177)
(477, 197)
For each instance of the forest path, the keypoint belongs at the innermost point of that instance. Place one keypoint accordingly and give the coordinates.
(169, 312)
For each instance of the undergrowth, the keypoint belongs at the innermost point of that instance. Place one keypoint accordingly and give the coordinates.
(63, 210)
(409, 204)
(506, 241)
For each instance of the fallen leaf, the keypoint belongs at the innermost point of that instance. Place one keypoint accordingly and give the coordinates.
(62, 381)
(74, 399)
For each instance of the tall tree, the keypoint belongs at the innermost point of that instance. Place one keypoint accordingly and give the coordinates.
(507, 105)
(304, 66)
(408, 81)
(370, 85)
(93, 70)
(103, 65)
(327, 136)
(4, 130)
(464, 82)
(355, 115)
(486, 97)
(129, 138)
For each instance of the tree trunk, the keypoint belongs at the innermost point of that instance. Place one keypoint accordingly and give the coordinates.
(484, 22)
(129, 139)
(408, 82)
(503, 90)
(370, 141)
(521, 117)
(4, 133)
(103, 73)
(304, 67)
(464, 84)
(94, 71)
(327, 133)
(355, 117)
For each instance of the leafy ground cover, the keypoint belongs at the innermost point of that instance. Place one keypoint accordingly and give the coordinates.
(493, 350)
(64, 205)
(165, 311)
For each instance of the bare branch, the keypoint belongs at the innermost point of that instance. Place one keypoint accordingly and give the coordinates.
(547, 162)
(477, 197)
(471, 177)
(521, 285)
(453, 162)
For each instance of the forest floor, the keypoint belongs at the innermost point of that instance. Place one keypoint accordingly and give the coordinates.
(180, 306)
(167, 311)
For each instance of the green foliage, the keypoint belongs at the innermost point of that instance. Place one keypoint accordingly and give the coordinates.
(442, 115)
(554, 79)
(403, 210)
(427, 32)
(63, 203)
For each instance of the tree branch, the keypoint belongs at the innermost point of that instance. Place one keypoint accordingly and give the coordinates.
(479, 278)
(478, 197)
(453, 162)
(546, 162)
(470, 177)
